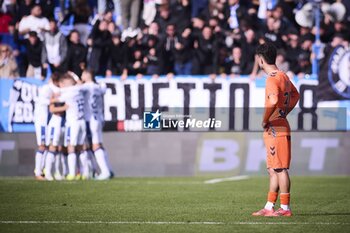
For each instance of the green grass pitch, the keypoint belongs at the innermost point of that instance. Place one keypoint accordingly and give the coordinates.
(320, 204)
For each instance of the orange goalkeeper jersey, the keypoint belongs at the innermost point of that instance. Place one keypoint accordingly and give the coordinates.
(279, 84)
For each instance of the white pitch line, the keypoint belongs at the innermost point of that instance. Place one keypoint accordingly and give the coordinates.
(172, 223)
(233, 178)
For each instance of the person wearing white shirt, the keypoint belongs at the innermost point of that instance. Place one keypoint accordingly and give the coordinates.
(41, 114)
(55, 131)
(73, 97)
(34, 22)
(94, 117)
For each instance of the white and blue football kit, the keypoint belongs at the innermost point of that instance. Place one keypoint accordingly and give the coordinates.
(41, 113)
(75, 128)
(94, 110)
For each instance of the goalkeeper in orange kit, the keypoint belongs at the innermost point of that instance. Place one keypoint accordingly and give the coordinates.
(280, 98)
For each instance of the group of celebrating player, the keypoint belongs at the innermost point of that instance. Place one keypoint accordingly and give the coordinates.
(68, 125)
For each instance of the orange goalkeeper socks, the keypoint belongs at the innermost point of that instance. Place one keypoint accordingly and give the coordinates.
(271, 200)
(285, 199)
(272, 197)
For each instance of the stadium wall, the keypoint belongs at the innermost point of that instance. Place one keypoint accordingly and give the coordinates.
(194, 154)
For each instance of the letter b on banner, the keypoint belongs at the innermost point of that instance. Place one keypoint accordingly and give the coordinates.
(219, 156)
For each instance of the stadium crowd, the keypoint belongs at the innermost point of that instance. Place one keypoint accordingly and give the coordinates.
(156, 37)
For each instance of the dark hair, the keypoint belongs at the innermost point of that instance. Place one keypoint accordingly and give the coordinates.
(73, 31)
(55, 77)
(52, 20)
(268, 51)
(33, 34)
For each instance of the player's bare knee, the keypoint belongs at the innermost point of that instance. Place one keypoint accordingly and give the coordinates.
(41, 148)
(95, 147)
(52, 148)
(271, 172)
(71, 149)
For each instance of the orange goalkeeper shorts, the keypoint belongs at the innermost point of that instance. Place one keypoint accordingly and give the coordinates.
(278, 151)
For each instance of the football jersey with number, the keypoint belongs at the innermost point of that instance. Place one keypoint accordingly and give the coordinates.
(280, 85)
(94, 101)
(74, 97)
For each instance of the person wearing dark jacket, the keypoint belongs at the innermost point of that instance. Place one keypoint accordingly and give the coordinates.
(205, 56)
(181, 12)
(163, 19)
(183, 54)
(153, 56)
(115, 63)
(77, 52)
(235, 65)
(167, 49)
(100, 41)
(34, 48)
(138, 65)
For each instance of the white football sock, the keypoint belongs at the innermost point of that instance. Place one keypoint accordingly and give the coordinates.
(84, 164)
(285, 207)
(72, 163)
(269, 205)
(94, 164)
(57, 163)
(107, 161)
(101, 161)
(38, 160)
(50, 159)
(43, 160)
(64, 165)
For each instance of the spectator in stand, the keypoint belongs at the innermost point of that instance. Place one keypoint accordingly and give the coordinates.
(281, 62)
(8, 6)
(55, 49)
(306, 43)
(163, 19)
(113, 29)
(107, 16)
(183, 53)
(81, 13)
(5, 20)
(116, 58)
(234, 13)
(129, 46)
(8, 65)
(304, 64)
(48, 7)
(272, 31)
(153, 56)
(181, 11)
(293, 51)
(205, 56)
(100, 41)
(18, 50)
(34, 48)
(235, 65)
(77, 54)
(278, 14)
(130, 10)
(249, 44)
(168, 49)
(34, 22)
(24, 8)
(138, 65)
(103, 6)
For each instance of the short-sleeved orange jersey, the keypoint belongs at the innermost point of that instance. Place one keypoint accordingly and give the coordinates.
(287, 95)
